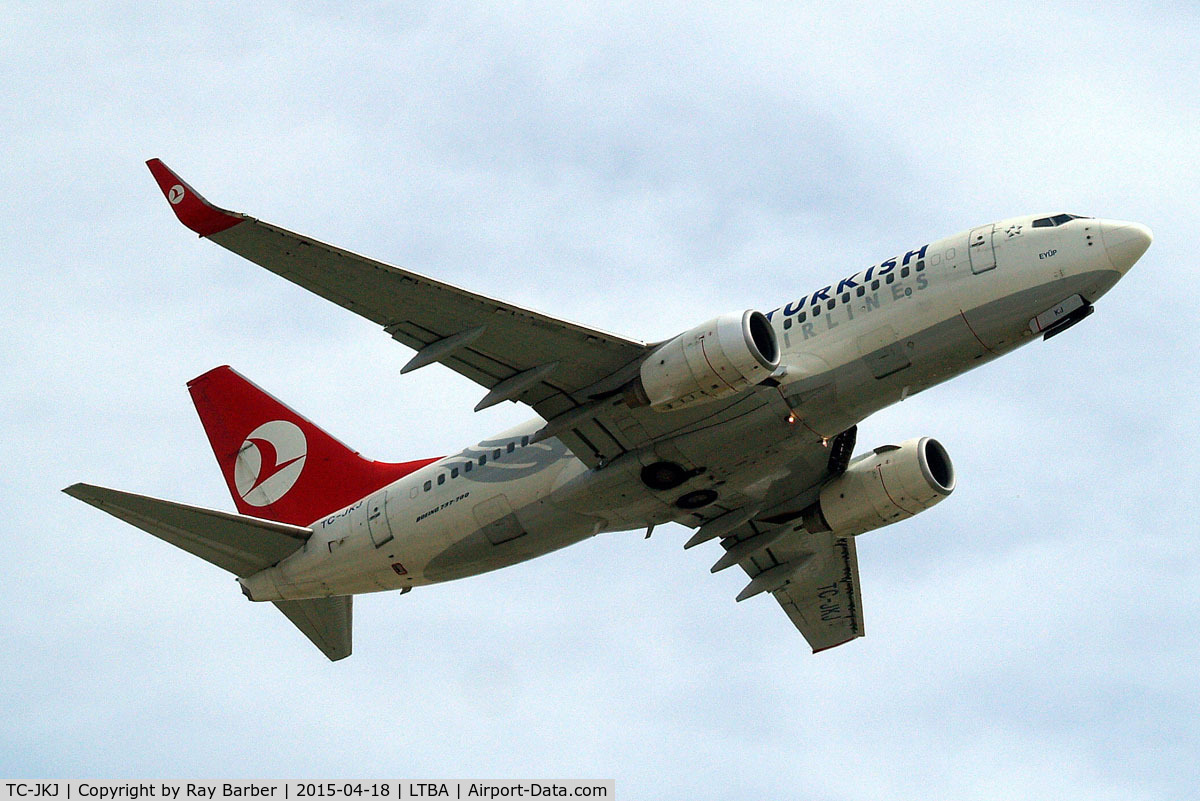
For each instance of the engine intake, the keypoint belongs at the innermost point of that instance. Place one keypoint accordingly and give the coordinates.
(890, 484)
(720, 358)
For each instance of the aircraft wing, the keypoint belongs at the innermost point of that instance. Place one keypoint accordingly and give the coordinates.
(822, 599)
(517, 354)
(825, 604)
(813, 576)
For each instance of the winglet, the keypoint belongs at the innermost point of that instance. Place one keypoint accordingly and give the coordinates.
(189, 206)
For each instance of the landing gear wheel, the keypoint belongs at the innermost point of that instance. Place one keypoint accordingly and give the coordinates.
(664, 475)
(697, 499)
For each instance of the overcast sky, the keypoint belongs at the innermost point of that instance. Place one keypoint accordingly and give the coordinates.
(639, 168)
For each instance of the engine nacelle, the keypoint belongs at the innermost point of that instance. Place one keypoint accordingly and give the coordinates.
(890, 484)
(720, 358)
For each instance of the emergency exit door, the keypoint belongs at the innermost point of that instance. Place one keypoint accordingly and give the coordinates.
(982, 249)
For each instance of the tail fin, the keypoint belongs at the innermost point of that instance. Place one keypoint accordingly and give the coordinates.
(278, 465)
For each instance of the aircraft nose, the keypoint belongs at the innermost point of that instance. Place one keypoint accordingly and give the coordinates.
(1125, 242)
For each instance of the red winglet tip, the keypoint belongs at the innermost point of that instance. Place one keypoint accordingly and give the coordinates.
(189, 206)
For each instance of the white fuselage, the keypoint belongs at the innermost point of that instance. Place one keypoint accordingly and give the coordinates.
(848, 350)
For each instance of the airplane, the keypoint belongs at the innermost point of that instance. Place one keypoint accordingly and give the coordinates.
(742, 428)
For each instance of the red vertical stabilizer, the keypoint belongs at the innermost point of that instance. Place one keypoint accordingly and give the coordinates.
(278, 465)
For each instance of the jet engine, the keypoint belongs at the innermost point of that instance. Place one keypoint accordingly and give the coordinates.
(714, 360)
(892, 483)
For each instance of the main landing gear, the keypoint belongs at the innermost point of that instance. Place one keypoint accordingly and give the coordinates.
(664, 476)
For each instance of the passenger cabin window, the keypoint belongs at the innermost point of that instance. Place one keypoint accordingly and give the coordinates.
(904, 272)
(496, 453)
(511, 446)
(845, 297)
(787, 322)
(862, 290)
(453, 472)
(482, 459)
(428, 486)
(524, 441)
(467, 467)
(802, 316)
(442, 479)
(874, 285)
(830, 304)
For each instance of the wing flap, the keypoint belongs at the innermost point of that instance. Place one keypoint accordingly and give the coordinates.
(241, 544)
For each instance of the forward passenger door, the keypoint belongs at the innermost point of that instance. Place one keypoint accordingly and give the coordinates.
(982, 249)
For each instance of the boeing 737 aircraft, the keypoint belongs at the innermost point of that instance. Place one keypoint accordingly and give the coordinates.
(742, 428)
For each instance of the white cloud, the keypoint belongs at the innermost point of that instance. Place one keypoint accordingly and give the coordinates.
(638, 169)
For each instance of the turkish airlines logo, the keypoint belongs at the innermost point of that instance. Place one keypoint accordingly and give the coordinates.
(269, 462)
(175, 195)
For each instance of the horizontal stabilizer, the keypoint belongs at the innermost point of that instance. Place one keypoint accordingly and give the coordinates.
(325, 621)
(241, 544)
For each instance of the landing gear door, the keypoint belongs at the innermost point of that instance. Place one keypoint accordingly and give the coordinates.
(377, 519)
(982, 249)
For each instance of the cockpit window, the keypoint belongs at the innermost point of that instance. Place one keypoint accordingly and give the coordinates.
(1057, 220)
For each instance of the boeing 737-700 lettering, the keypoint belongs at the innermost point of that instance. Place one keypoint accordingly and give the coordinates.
(742, 428)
